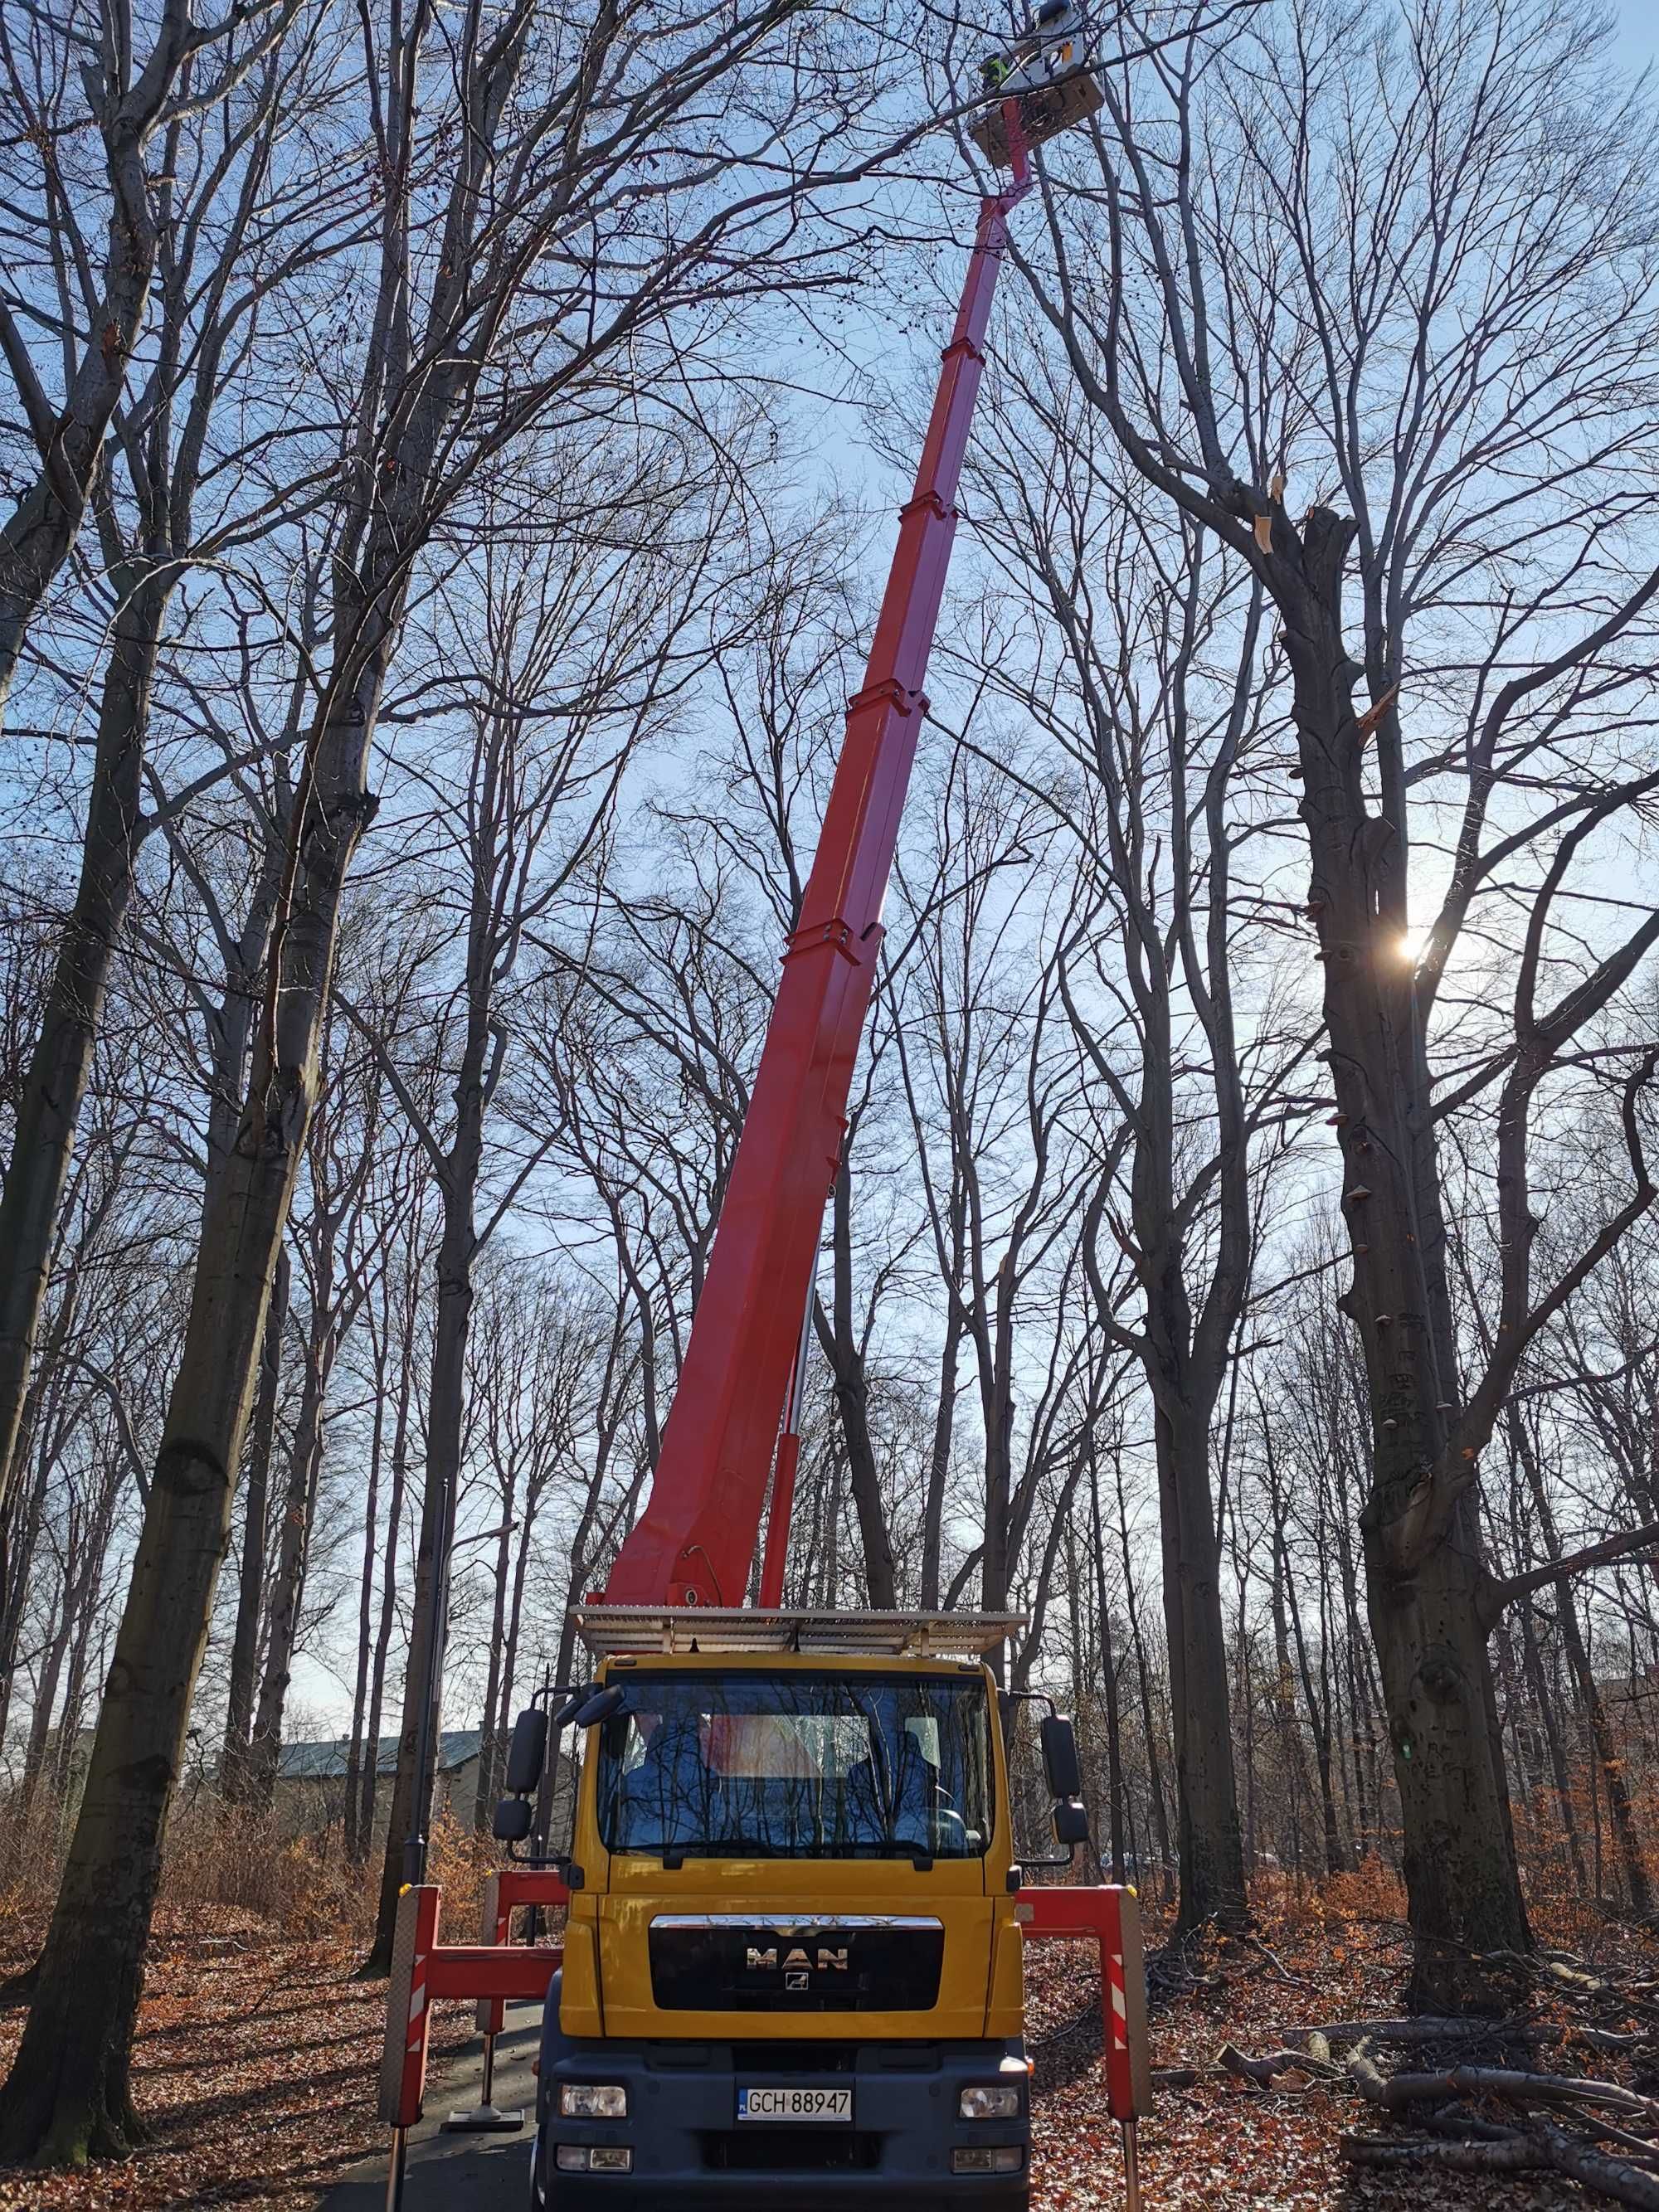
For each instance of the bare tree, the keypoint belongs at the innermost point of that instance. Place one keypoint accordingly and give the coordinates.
(89, 309)
(514, 159)
(576, 662)
(1235, 287)
(227, 236)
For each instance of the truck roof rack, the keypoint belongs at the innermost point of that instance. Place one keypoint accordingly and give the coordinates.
(610, 1630)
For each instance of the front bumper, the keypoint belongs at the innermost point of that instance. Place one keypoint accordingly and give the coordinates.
(691, 2156)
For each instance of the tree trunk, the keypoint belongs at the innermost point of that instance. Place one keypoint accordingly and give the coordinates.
(418, 1739)
(371, 1756)
(234, 1776)
(327, 1322)
(22, 1514)
(69, 2096)
(939, 1459)
(1421, 1530)
(1211, 1844)
(409, 1828)
(293, 1556)
(1320, 1719)
(484, 1795)
(994, 1345)
(45, 1697)
(74, 1689)
(1607, 1757)
(354, 1842)
(1148, 1722)
(1109, 1675)
(839, 1339)
(50, 1107)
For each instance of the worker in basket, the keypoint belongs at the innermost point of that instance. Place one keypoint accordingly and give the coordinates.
(1047, 71)
(1052, 47)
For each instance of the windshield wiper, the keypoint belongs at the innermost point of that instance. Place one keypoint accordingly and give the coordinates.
(674, 1856)
(881, 1847)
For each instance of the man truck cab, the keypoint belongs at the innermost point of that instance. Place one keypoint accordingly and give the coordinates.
(793, 1963)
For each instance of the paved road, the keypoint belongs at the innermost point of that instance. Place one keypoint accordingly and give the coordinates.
(462, 2173)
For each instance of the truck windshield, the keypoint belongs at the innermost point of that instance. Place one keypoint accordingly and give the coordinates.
(798, 1766)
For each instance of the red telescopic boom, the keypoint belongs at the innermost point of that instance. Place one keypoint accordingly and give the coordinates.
(695, 1540)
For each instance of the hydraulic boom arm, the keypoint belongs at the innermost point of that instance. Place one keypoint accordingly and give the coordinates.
(695, 1542)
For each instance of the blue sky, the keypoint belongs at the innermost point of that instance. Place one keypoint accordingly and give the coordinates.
(1640, 19)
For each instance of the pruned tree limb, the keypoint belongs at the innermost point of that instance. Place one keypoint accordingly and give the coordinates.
(1500, 1592)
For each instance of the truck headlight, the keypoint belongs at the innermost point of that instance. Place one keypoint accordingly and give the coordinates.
(603, 2158)
(1001, 2158)
(587, 2100)
(987, 2104)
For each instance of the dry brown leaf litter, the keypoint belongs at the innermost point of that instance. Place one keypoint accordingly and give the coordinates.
(256, 2055)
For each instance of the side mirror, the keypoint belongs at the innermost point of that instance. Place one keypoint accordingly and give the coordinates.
(514, 1818)
(603, 1705)
(1059, 1759)
(1071, 1824)
(527, 1753)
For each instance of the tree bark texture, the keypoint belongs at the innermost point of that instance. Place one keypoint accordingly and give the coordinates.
(37, 538)
(49, 1110)
(1420, 1527)
(68, 2096)
(1211, 1841)
(233, 1776)
(839, 1336)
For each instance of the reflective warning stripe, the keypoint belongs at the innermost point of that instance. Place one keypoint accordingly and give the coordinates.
(408, 2008)
(1110, 1917)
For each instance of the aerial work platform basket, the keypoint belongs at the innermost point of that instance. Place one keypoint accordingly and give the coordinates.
(1047, 73)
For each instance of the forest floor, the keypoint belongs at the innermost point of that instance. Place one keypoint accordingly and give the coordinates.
(258, 2053)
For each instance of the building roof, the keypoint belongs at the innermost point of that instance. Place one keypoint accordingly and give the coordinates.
(327, 1762)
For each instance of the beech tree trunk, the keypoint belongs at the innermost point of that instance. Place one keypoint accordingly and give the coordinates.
(234, 1777)
(838, 1335)
(69, 2095)
(939, 1459)
(293, 1556)
(50, 1107)
(1422, 1542)
(369, 1782)
(484, 1792)
(355, 1844)
(410, 1824)
(1210, 1839)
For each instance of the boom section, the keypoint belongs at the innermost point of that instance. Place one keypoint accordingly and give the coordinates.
(695, 1541)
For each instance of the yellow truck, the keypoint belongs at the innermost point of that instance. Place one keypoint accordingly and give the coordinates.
(793, 1964)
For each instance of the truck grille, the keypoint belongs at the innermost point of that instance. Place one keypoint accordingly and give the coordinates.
(842, 1963)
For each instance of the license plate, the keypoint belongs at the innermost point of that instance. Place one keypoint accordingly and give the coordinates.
(795, 2104)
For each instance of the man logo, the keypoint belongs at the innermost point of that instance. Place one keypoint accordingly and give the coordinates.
(798, 1965)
